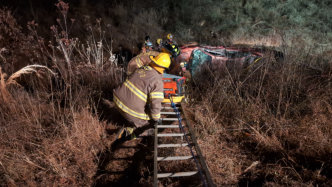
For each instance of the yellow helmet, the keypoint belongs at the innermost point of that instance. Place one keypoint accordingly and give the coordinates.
(169, 36)
(162, 60)
(159, 40)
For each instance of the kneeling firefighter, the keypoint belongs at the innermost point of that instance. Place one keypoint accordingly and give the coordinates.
(139, 98)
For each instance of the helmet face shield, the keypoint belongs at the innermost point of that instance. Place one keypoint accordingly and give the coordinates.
(149, 44)
(170, 36)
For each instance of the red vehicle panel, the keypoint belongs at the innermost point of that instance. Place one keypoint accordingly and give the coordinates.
(219, 56)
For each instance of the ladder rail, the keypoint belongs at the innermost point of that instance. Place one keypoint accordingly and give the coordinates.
(155, 157)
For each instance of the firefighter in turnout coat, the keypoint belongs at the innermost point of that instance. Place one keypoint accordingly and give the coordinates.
(139, 98)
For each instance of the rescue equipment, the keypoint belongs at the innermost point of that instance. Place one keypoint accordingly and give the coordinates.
(173, 86)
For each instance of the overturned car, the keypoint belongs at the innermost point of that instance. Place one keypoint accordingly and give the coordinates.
(192, 57)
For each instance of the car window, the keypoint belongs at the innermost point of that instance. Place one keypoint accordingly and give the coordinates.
(198, 58)
(227, 53)
(216, 52)
(236, 54)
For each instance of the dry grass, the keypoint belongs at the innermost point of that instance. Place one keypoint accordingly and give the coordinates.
(45, 144)
(269, 125)
(52, 136)
(268, 41)
(50, 132)
(5, 96)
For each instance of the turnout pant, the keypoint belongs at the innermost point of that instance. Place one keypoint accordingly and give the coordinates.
(142, 127)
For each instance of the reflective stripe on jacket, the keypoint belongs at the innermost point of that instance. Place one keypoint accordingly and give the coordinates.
(144, 86)
(140, 60)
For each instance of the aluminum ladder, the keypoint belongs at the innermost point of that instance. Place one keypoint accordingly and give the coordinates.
(187, 141)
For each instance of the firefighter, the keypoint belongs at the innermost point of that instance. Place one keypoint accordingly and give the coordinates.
(139, 98)
(147, 46)
(170, 46)
(140, 60)
(170, 39)
(147, 38)
(159, 45)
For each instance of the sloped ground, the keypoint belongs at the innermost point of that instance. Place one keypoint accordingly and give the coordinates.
(269, 126)
(122, 163)
(130, 163)
(249, 134)
(246, 140)
(125, 164)
(265, 126)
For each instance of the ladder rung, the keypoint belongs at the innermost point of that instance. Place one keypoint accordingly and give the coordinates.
(170, 134)
(169, 119)
(179, 174)
(167, 107)
(173, 158)
(172, 145)
(168, 126)
(168, 113)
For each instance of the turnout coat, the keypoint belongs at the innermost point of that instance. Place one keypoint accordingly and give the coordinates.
(139, 97)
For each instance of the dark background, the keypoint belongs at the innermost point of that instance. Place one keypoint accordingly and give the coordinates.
(208, 22)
